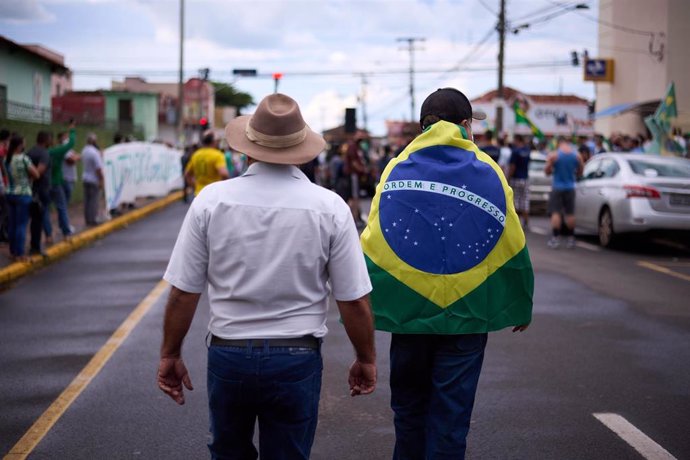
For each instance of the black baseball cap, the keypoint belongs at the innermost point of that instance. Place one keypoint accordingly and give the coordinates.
(451, 105)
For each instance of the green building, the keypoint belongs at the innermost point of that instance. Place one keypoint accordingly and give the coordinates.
(25, 81)
(127, 109)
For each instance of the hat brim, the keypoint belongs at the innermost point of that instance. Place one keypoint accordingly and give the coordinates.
(298, 154)
(478, 114)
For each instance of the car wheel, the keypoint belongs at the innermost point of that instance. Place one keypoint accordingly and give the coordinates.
(607, 236)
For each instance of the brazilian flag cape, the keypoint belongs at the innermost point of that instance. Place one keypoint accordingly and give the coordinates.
(444, 247)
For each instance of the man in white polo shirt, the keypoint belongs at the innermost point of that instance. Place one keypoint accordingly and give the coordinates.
(271, 247)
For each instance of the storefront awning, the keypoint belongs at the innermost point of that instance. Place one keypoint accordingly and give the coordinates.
(643, 108)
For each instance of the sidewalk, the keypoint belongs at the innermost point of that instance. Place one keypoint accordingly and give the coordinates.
(83, 235)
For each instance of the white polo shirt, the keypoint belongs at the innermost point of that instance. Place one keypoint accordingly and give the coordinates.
(271, 246)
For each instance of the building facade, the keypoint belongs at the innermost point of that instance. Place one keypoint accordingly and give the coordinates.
(553, 114)
(26, 75)
(647, 42)
(199, 102)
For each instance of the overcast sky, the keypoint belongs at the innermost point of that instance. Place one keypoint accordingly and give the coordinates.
(103, 40)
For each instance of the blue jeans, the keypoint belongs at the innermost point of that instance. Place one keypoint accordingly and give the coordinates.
(433, 383)
(57, 195)
(279, 386)
(68, 188)
(18, 220)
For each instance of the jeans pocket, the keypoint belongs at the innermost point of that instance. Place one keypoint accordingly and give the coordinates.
(297, 401)
(467, 344)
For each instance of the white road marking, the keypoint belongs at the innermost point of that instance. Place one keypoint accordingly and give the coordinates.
(637, 439)
(579, 244)
(591, 247)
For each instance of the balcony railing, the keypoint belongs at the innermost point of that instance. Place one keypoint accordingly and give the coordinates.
(11, 110)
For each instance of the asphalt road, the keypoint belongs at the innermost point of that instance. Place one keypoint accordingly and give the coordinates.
(611, 334)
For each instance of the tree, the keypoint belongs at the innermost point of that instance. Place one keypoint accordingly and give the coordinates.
(228, 96)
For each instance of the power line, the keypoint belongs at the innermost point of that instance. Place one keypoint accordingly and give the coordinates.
(544, 10)
(609, 24)
(487, 7)
(317, 73)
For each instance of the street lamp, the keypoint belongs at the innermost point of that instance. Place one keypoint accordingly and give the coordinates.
(501, 27)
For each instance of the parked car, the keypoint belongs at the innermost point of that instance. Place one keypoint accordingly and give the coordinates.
(626, 193)
(539, 183)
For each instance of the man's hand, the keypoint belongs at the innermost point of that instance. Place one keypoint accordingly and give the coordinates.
(362, 378)
(521, 328)
(172, 373)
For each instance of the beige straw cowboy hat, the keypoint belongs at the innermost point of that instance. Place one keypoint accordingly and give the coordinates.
(276, 133)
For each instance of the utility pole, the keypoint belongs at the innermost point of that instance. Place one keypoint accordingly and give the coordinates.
(180, 82)
(410, 46)
(501, 45)
(363, 100)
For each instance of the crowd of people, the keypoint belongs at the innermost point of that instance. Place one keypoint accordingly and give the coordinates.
(35, 179)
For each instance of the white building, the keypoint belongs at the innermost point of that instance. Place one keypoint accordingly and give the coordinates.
(647, 41)
(553, 114)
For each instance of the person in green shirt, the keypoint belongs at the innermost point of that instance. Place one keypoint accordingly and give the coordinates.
(57, 191)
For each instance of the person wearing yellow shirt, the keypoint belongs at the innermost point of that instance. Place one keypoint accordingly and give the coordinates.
(207, 164)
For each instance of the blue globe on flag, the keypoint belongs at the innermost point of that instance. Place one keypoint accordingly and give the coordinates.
(442, 210)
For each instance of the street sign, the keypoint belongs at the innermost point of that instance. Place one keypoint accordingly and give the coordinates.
(244, 72)
(600, 70)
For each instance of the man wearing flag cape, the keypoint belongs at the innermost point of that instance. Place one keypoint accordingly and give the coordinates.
(448, 262)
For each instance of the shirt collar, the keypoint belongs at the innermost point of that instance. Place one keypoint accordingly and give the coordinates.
(260, 168)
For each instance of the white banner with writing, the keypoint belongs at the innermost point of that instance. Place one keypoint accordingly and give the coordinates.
(140, 169)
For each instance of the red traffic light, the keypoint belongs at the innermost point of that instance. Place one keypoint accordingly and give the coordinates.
(203, 121)
(277, 76)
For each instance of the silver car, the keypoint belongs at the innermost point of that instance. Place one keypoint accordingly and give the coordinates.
(539, 183)
(632, 193)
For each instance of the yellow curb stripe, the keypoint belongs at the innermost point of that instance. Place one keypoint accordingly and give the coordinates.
(64, 248)
(664, 270)
(47, 420)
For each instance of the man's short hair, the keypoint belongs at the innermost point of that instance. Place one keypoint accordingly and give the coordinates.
(43, 137)
(4, 135)
(209, 138)
(519, 138)
(448, 104)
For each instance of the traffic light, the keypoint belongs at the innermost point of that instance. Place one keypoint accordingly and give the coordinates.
(350, 120)
(276, 79)
(203, 124)
(574, 58)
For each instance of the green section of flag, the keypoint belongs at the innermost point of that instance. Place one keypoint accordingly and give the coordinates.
(659, 124)
(522, 118)
(667, 109)
(504, 299)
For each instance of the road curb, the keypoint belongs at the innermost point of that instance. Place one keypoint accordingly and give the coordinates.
(66, 247)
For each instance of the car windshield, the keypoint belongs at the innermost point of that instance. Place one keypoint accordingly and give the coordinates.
(536, 165)
(670, 168)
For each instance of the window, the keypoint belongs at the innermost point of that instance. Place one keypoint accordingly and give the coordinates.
(609, 168)
(591, 169)
(670, 168)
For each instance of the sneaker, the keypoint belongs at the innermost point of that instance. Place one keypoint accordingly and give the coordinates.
(571, 242)
(554, 242)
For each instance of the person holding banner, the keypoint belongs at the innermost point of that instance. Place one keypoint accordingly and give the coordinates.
(448, 263)
(92, 178)
(207, 165)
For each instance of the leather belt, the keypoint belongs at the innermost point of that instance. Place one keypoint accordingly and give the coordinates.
(308, 341)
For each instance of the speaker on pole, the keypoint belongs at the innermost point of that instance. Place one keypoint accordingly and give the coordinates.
(350, 120)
